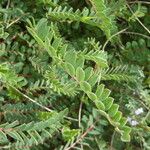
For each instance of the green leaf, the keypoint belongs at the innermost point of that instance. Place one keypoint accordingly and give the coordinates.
(38, 137)
(126, 129)
(123, 121)
(3, 136)
(71, 85)
(108, 102)
(99, 57)
(92, 96)
(113, 110)
(100, 105)
(70, 57)
(80, 74)
(13, 124)
(51, 51)
(57, 42)
(93, 80)
(105, 94)
(125, 137)
(63, 50)
(100, 90)
(85, 86)
(88, 72)
(117, 116)
(101, 62)
(42, 32)
(100, 8)
(69, 134)
(36, 37)
(14, 135)
(64, 14)
(70, 69)
(33, 139)
(80, 61)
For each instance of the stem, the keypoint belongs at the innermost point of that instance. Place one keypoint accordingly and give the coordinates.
(112, 37)
(79, 116)
(135, 33)
(138, 19)
(143, 2)
(81, 137)
(112, 140)
(44, 107)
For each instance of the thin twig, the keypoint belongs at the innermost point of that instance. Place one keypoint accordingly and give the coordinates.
(81, 137)
(112, 37)
(16, 20)
(146, 117)
(44, 107)
(8, 4)
(143, 2)
(30, 99)
(5, 14)
(112, 140)
(136, 33)
(79, 115)
(138, 19)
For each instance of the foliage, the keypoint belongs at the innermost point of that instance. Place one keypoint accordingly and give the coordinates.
(74, 75)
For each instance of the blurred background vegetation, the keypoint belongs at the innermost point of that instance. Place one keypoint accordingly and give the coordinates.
(124, 35)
